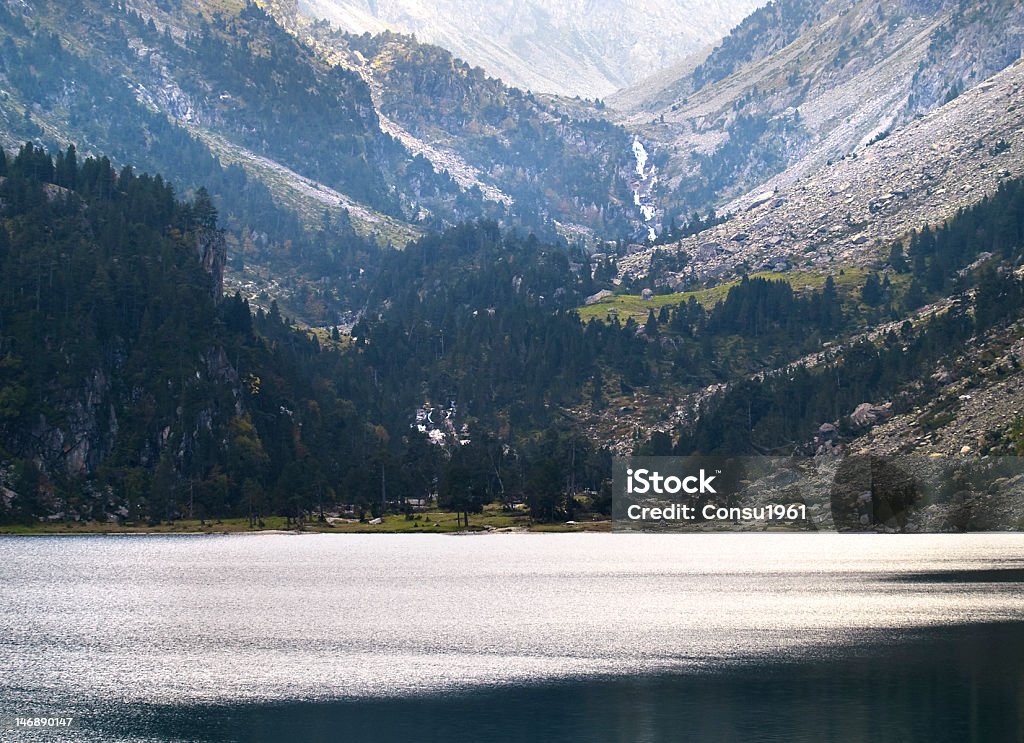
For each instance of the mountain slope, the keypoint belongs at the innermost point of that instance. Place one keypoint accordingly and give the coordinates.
(847, 213)
(286, 135)
(111, 81)
(131, 389)
(798, 84)
(542, 157)
(127, 391)
(570, 47)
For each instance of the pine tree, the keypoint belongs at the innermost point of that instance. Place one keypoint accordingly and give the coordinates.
(871, 292)
(203, 211)
(651, 326)
(897, 260)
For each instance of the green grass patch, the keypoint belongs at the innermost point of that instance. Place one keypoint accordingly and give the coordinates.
(427, 522)
(632, 305)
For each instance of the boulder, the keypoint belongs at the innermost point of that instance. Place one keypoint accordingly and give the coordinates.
(707, 251)
(867, 414)
(761, 198)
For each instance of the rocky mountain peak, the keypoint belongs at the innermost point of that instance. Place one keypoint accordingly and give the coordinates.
(589, 48)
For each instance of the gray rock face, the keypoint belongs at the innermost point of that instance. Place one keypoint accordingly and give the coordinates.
(850, 212)
(213, 255)
(79, 443)
(818, 80)
(800, 85)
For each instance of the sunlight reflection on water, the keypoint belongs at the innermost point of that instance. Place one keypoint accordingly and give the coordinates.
(182, 619)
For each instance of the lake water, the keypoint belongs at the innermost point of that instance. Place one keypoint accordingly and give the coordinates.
(569, 637)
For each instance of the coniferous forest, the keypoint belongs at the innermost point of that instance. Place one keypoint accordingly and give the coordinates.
(130, 387)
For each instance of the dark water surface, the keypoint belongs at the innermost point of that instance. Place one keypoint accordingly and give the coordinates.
(730, 637)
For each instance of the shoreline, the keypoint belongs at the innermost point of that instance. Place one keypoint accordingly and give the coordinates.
(397, 525)
(595, 527)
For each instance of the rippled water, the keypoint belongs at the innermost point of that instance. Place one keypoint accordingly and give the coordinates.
(156, 637)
